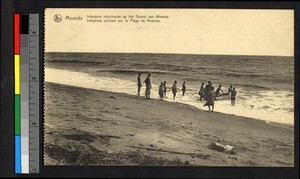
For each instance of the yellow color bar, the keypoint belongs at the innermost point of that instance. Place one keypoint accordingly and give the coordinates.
(17, 74)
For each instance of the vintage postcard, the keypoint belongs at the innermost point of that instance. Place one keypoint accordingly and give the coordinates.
(169, 87)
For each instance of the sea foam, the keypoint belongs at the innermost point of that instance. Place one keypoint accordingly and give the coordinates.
(273, 106)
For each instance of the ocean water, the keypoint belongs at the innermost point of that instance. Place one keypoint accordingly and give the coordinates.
(265, 85)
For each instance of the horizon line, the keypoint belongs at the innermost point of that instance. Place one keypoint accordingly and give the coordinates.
(176, 54)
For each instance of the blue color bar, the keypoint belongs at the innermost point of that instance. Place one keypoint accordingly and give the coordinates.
(18, 168)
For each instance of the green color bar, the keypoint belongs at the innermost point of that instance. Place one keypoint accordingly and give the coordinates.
(17, 115)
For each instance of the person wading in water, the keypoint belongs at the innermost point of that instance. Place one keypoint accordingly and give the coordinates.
(201, 91)
(165, 89)
(233, 96)
(183, 88)
(139, 81)
(208, 88)
(219, 90)
(174, 89)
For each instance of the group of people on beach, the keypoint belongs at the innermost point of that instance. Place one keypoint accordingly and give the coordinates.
(162, 91)
(207, 93)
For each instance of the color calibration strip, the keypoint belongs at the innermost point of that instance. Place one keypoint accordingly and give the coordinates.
(17, 70)
(26, 60)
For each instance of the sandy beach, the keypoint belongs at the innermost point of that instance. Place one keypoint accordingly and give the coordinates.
(92, 127)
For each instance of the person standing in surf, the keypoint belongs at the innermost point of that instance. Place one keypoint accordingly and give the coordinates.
(230, 89)
(161, 91)
(183, 88)
(208, 88)
(233, 96)
(165, 88)
(219, 90)
(139, 81)
(148, 86)
(201, 91)
(174, 89)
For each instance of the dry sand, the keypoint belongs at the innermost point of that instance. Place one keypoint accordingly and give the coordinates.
(91, 127)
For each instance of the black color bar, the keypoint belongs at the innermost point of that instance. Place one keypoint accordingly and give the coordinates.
(24, 24)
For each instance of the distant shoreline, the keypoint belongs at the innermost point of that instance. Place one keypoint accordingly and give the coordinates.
(136, 53)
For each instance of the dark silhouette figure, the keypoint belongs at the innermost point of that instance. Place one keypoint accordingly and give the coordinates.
(139, 82)
(161, 91)
(208, 88)
(148, 86)
(219, 90)
(210, 101)
(201, 91)
(165, 88)
(230, 89)
(183, 88)
(174, 89)
(233, 96)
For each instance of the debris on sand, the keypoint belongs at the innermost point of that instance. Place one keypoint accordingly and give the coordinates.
(112, 97)
(222, 148)
(233, 158)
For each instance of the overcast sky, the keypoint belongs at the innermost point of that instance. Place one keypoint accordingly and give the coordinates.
(188, 31)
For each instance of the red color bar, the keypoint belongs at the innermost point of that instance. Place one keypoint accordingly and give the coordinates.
(17, 34)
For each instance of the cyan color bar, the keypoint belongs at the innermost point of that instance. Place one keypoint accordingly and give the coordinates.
(18, 168)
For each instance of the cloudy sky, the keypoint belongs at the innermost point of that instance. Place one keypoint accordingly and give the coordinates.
(188, 31)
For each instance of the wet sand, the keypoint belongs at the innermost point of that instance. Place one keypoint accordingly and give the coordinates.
(92, 127)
